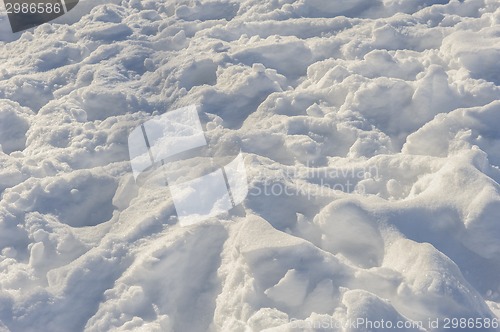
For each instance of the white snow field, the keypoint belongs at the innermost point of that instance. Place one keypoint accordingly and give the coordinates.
(370, 131)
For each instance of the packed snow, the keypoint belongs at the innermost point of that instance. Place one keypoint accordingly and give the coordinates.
(371, 143)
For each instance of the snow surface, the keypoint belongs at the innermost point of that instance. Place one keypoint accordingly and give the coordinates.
(380, 117)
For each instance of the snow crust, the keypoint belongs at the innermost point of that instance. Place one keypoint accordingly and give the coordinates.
(381, 118)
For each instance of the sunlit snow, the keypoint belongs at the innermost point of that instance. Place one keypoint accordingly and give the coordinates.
(370, 133)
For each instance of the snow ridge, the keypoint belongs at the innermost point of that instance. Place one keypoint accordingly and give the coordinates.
(370, 133)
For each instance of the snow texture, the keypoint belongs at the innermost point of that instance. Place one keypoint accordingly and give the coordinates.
(370, 133)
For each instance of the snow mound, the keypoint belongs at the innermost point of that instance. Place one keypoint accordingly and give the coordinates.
(370, 137)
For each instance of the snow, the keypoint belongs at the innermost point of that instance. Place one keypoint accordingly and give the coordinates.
(369, 135)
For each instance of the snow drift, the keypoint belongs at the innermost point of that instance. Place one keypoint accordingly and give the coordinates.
(371, 143)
